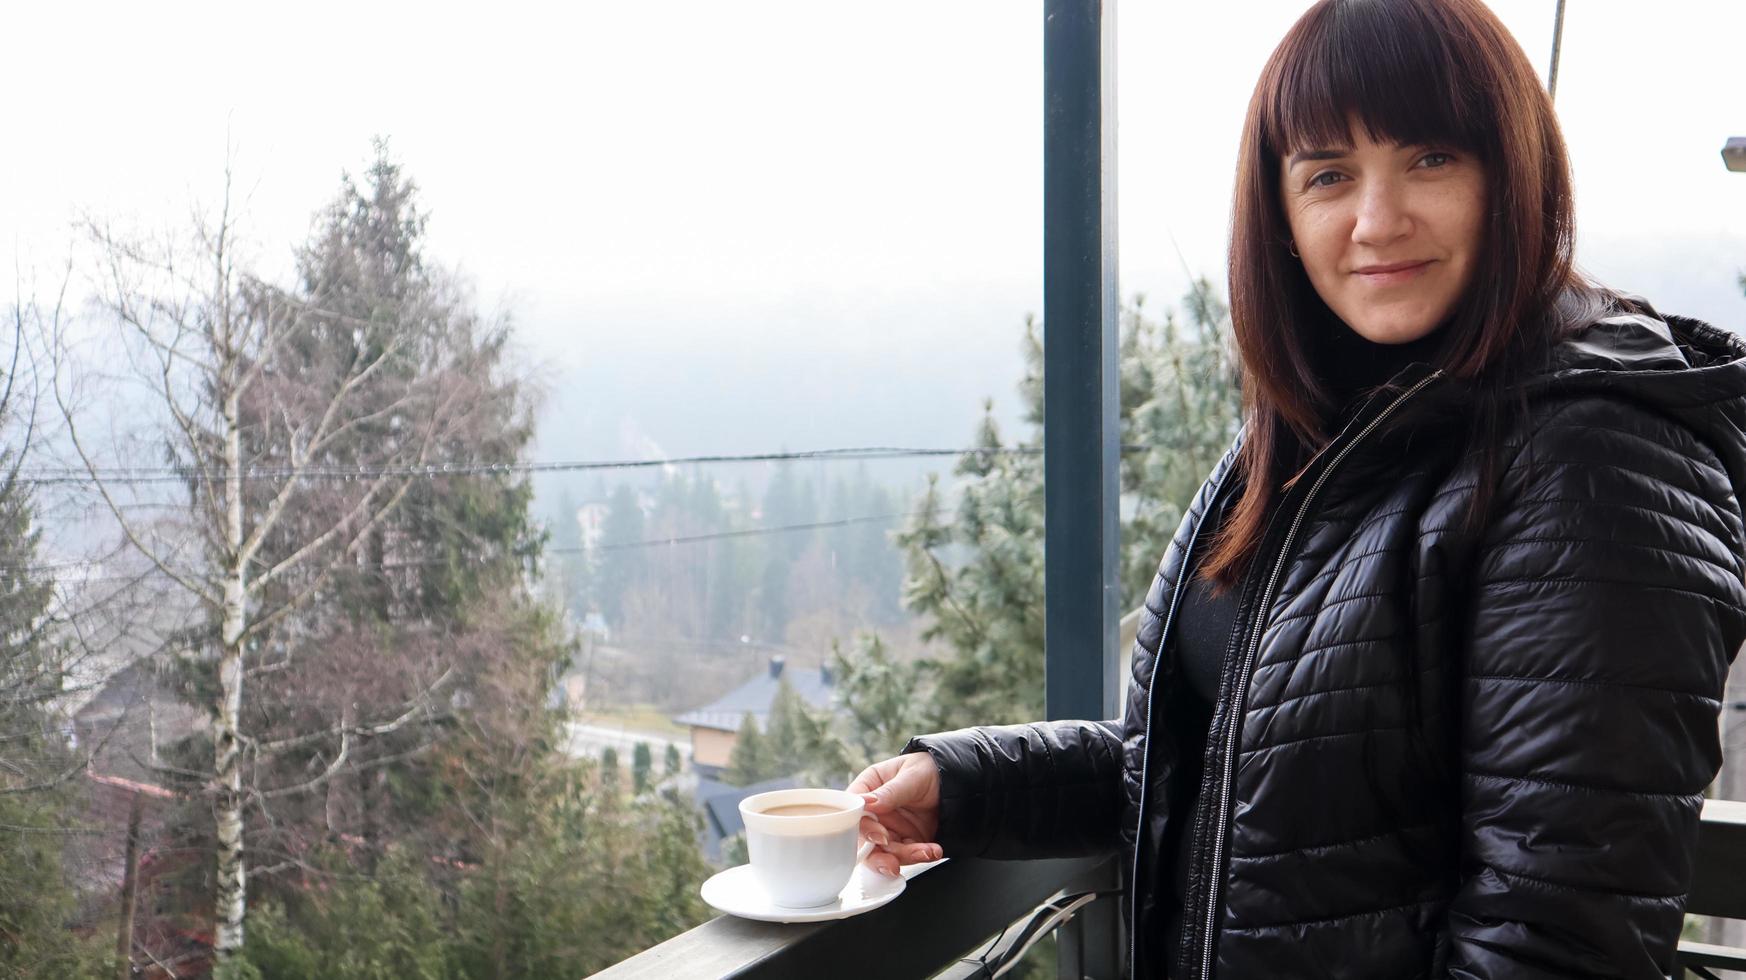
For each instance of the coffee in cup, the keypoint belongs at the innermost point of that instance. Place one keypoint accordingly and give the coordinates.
(802, 843)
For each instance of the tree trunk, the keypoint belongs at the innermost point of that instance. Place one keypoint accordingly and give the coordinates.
(372, 830)
(231, 900)
(129, 893)
(500, 906)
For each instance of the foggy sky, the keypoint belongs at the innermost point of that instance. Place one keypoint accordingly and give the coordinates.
(703, 176)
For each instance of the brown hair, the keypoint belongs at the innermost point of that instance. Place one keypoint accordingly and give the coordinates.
(1412, 72)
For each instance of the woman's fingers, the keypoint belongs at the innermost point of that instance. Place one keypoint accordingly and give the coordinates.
(875, 775)
(889, 859)
(900, 797)
(897, 824)
(871, 830)
(914, 853)
(907, 780)
(883, 829)
(865, 783)
(883, 863)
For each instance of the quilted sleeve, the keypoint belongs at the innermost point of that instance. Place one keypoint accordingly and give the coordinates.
(1607, 605)
(1046, 789)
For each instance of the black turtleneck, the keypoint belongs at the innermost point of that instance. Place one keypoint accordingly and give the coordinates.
(1351, 367)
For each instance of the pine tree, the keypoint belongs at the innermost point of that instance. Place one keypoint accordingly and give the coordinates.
(1180, 401)
(789, 500)
(977, 578)
(879, 694)
(750, 761)
(620, 567)
(642, 765)
(796, 741)
(38, 800)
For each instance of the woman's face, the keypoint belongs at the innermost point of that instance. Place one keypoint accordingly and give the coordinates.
(1389, 235)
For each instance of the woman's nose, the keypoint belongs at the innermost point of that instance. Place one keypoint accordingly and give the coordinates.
(1382, 215)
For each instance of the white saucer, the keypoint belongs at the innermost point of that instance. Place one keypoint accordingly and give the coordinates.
(737, 892)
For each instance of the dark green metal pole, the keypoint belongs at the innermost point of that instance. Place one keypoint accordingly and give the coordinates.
(1081, 420)
(1081, 424)
(1557, 46)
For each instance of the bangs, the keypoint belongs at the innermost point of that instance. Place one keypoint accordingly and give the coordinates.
(1387, 63)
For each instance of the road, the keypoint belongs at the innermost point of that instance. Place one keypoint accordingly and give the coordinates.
(591, 740)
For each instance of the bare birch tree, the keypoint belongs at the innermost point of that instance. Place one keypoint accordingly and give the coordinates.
(265, 508)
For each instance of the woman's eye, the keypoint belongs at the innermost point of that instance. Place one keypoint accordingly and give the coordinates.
(1317, 180)
(1438, 159)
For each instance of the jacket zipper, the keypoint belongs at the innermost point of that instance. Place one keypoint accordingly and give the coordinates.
(1234, 719)
(1151, 689)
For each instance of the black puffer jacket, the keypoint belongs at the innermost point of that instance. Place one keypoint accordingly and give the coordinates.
(1452, 756)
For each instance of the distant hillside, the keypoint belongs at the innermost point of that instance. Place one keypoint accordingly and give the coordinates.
(676, 375)
(671, 379)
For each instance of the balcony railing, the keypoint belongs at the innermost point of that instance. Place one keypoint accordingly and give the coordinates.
(957, 908)
(1719, 890)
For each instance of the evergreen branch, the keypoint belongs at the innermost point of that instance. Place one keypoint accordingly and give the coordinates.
(977, 633)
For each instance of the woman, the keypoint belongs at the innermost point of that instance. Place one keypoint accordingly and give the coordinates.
(1427, 683)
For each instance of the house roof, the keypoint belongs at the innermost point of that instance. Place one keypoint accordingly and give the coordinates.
(755, 696)
(720, 803)
(132, 786)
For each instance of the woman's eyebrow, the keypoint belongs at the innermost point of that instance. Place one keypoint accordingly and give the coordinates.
(1307, 155)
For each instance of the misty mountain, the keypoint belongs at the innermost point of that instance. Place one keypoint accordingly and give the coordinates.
(680, 375)
(665, 379)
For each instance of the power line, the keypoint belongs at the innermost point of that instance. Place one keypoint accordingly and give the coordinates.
(754, 532)
(172, 474)
(168, 474)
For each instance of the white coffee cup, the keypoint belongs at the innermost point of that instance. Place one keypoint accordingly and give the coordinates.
(803, 861)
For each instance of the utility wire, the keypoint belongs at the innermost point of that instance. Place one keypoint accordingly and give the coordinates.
(167, 474)
(754, 532)
(170, 474)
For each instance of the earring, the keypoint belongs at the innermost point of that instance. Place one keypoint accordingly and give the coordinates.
(1291, 246)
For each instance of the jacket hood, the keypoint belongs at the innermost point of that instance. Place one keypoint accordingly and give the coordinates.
(1683, 368)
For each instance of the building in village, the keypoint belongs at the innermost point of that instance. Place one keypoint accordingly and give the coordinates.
(715, 726)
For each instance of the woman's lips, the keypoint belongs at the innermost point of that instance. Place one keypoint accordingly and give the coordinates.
(1387, 275)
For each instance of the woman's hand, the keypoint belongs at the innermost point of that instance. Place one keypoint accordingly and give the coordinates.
(902, 796)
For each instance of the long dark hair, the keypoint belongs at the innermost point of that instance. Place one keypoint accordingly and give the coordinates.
(1410, 71)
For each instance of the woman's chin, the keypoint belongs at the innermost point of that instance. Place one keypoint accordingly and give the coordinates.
(1395, 326)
